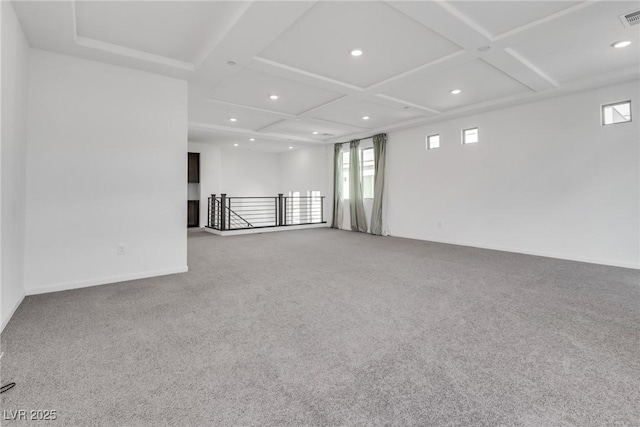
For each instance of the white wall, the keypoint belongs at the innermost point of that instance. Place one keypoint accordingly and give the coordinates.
(546, 178)
(240, 172)
(246, 173)
(14, 70)
(309, 169)
(209, 174)
(106, 167)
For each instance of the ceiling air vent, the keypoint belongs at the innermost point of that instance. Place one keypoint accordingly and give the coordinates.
(327, 134)
(631, 18)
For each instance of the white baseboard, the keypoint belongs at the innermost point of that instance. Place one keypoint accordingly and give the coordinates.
(264, 230)
(104, 280)
(613, 263)
(5, 321)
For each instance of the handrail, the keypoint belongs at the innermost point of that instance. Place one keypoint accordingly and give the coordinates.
(235, 215)
(264, 211)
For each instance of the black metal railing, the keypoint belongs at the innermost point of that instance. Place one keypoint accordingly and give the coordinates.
(240, 213)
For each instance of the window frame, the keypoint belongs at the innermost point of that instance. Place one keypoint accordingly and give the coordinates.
(362, 150)
(345, 177)
(428, 142)
(464, 136)
(613, 104)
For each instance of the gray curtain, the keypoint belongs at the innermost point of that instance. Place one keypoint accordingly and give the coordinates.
(379, 151)
(337, 187)
(358, 219)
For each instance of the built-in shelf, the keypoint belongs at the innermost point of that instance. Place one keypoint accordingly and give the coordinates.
(193, 174)
(193, 190)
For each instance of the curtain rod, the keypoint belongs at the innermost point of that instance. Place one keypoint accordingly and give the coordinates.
(360, 139)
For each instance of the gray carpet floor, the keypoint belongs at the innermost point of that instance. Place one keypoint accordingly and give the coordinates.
(332, 328)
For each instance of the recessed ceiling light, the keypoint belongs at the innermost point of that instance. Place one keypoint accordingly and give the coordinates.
(274, 97)
(455, 91)
(231, 63)
(315, 132)
(233, 119)
(356, 52)
(252, 139)
(365, 117)
(290, 147)
(623, 43)
(235, 145)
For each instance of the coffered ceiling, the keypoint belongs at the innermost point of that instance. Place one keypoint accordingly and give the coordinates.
(237, 54)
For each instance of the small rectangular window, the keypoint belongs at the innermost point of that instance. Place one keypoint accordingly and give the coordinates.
(470, 136)
(620, 112)
(433, 141)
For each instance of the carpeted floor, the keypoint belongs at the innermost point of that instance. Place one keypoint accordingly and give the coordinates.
(331, 328)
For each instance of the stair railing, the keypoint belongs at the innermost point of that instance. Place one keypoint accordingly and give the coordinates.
(238, 213)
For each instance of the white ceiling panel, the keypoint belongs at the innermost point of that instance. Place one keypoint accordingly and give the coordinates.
(579, 45)
(267, 146)
(304, 128)
(261, 144)
(181, 30)
(237, 53)
(350, 111)
(253, 88)
(478, 81)
(497, 17)
(320, 42)
(219, 115)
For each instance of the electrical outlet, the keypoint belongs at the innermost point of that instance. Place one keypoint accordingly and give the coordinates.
(121, 249)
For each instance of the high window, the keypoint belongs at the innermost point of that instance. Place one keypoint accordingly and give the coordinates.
(433, 141)
(620, 112)
(470, 136)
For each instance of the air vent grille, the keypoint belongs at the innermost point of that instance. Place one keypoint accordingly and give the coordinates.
(327, 134)
(631, 18)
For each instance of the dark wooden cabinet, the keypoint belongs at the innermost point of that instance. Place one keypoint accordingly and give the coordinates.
(193, 178)
(193, 213)
(193, 174)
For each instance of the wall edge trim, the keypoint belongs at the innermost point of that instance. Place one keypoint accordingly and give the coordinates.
(104, 280)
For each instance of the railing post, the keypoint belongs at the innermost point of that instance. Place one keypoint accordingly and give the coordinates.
(275, 216)
(223, 210)
(280, 208)
(211, 211)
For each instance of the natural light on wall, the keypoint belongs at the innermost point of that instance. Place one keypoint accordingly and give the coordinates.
(314, 200)
(304, 209)
(619, 112)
